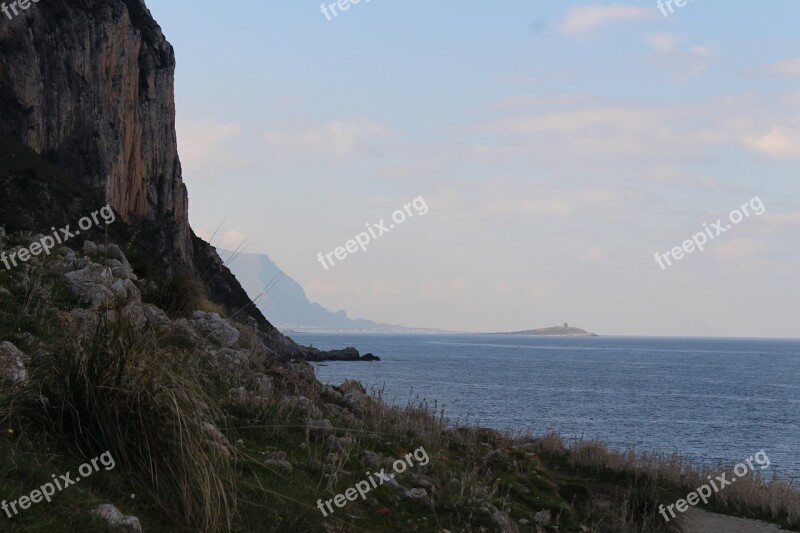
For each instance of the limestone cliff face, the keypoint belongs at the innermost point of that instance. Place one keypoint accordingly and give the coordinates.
(89, 85)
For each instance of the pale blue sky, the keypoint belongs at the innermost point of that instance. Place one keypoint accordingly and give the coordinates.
(558, 145)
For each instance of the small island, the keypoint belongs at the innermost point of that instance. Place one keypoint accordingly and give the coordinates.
(555, 331)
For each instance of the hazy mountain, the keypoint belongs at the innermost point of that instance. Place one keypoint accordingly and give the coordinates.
(285, 303)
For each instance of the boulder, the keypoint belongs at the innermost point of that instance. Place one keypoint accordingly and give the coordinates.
(278, 461)
(357, 401)
(155, 317)
(121, 270)
(115, 519)
(215, 327)
(303, 404)
(320, 428)
(90, 284)
(351, 385)
(12, 366)
(134, 314)
(543, 518)
(369, 458)
(420, 496)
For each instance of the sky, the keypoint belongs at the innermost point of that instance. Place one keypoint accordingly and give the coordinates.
(557, 147)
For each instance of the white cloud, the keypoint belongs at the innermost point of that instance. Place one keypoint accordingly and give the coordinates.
(665, 42)
(205, 143)
(776, 143)
(787, 67)
(741, 248)
(339, 139)
(703, 52)
(682, 60)
(584, 19)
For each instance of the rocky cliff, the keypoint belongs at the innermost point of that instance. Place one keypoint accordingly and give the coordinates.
(89, 85)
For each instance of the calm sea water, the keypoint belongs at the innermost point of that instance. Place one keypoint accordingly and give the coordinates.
(713, 400)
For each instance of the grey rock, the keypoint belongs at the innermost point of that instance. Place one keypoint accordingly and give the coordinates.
(83, 321)
(121, 270)
(134, 314)
(320, 428)
(239, 394)
(114, 252)
(126, 290)
(393, 485)
(277, 456)
(155, 317)
(67, 253)
(419, 481)
(12, 366)
(369, 458)
(215, 327)
(420, 496)
(89, 284)
(503, 521)
(89, 247)
(305, 370)
(115, 519)
(543, 518)
(357, 401)
(331, 392)
(303, 404)
(339, 445)
(337, 410)
(183, 327)
(351, 385)
(286, 466)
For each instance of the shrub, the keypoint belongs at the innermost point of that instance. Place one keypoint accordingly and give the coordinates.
(180, 294)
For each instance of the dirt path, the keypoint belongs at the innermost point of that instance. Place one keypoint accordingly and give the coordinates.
(698, 521)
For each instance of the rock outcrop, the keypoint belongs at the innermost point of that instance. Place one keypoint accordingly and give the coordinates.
(89, 85)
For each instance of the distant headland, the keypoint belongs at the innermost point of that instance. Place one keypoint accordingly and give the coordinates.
(555, 331)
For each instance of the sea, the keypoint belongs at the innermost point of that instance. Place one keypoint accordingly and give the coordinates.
(716, 401)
